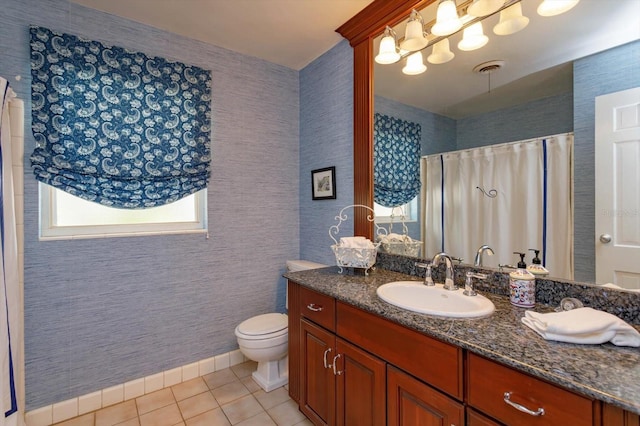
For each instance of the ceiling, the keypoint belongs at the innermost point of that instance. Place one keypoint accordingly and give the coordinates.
(287, 32)
(292, 33)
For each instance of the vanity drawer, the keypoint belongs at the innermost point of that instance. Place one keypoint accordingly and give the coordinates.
(492, 386)
(318, 308)
(434, 362)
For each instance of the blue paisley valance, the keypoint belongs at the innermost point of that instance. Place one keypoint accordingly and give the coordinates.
(396, 160)
(117, 127)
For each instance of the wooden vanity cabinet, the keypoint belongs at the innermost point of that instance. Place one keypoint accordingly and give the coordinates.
(340, 384)
(350, 367)
(514, 398)
(412, 402)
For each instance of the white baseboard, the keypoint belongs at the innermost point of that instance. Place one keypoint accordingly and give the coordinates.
(64, 410)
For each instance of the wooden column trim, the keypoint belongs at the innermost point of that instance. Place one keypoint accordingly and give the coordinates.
(360, 31)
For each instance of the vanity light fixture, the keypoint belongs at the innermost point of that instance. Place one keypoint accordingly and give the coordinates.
(448, 23)
(388, 51)
(441, 53)
(484, 7)
(555, 7)
(511, 20)
(447, 20)
(414, 64)
(414, 36)
(473, 38)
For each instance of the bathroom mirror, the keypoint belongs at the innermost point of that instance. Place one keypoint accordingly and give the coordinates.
(365, 48)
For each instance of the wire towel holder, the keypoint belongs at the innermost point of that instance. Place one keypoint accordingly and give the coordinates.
(351, 257)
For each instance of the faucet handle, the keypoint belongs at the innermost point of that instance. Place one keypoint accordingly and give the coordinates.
(428, 281)
(468, 283)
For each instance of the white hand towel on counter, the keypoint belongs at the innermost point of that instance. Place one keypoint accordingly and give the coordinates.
(582, 325)
(356, 242)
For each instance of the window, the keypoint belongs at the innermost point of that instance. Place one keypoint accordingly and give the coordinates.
(64, 216)
(394, 214)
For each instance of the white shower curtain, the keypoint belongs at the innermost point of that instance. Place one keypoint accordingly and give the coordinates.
(513, 197)
(10, 293)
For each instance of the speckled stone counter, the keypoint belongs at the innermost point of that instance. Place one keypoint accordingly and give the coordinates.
(604, 372)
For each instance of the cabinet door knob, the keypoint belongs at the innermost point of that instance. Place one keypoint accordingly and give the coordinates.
(313, 307)
(336, 373)
(324, 358)
(519, 407)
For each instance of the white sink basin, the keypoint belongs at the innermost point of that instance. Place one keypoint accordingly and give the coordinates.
(434, 300)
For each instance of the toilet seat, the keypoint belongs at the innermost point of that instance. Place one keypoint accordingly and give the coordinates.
(265, 326)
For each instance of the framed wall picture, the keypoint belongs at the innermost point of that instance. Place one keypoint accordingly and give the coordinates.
(323, 183)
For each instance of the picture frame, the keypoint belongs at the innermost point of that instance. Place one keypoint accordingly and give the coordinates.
(323, 183)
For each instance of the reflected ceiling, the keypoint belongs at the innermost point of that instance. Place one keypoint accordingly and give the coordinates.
(546, 48)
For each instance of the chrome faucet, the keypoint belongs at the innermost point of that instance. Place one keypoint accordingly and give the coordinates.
(449, 284)
(428, 281)
(481, 250)
(468, 284)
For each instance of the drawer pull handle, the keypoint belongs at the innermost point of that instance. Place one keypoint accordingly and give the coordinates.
(519, 407)
(336, 373)
(324, 358)
(313, 307)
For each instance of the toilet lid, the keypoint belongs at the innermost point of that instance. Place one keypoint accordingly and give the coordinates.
(263, 324)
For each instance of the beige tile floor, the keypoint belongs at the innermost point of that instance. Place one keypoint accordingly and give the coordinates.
(226, 397)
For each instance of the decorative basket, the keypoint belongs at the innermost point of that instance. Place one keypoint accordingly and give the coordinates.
(349, 257)
(400, 244)
(411, 249)
(355, 257)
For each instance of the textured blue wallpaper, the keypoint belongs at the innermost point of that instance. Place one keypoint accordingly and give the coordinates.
(607, 72)
(547, 116)
(101, 312)
(326, 139)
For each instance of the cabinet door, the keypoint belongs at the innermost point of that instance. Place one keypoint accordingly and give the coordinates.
(476, 419)
(360, 391)
(317, 396)
(413, 403)
(614, 416)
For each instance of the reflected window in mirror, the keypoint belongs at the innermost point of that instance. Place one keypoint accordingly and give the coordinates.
(405, 213)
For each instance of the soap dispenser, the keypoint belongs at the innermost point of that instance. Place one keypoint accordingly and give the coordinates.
(522, 284)
(536, 267)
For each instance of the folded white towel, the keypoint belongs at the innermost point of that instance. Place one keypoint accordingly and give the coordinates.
(395, 238)
(583, 325)
(356, 242)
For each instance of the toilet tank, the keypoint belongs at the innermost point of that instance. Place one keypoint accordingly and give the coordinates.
(302, 265)
(299, 265)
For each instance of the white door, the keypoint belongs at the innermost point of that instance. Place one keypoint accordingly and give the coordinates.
(617, 153)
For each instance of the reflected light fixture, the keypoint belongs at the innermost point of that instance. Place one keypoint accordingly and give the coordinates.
(484, 7)
(473, 38)
(511, 20)
(441, 53)
(388, 51)
(414, 64)
(447, 20)
(414, 36)
(392, 50)
(555, 7)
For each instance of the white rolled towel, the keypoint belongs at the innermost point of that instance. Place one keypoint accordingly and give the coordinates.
(356, 242)
(582, 325)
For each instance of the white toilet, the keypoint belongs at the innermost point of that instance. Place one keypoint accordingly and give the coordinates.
(264, 339)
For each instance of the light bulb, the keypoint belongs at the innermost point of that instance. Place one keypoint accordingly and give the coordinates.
(447, 20)
(414, 64)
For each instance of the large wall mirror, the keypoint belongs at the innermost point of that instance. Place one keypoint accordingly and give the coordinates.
(538, 64)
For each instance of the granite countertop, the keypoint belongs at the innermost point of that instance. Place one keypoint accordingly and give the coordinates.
(605, 372)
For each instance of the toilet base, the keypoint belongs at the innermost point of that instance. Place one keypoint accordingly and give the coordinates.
(271, 375)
